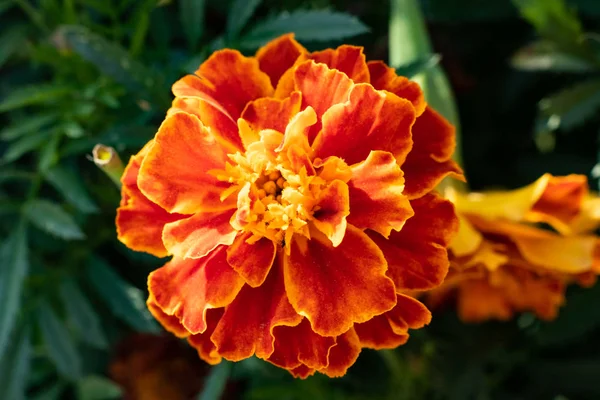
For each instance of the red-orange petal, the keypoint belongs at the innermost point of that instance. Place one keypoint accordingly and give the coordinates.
(377, 334)
(385, 78)
(302, 372)
(247, 326)
(270, 113)
(429, 160)
(377, 120)
(408, 313)
(562, 198)
(202, 343)
(376, 198)
(188, 288)
(278, 56)
(333, 208)
(417, 256)
(198, 235)
(347, 59)
(251, 261)
(174, 173)
(343, 355)
(169, 322)
(357, 266)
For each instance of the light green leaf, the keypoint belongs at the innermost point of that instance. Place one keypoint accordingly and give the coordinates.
(238, 16)
(552, 19)
(14, 265)
(421, 65)
(124, 300)
(48, 156)
(14, 368)
(81, 315)
(215, 382)
(543, 56)
(69, 184)
(59, 344)
(34, 94)
(96, 387)
(191, 14)
(24, 145)
(11, 40)
(31, 124)
(50, 217)
(309, 25)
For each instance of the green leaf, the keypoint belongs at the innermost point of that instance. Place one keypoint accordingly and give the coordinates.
(48, 155)
(543, 56)
(310, 25)
(14, 368)
(70, 185)
(416, 67)
(11, 40)
(96, 387)
(124, 300)
(191, 14)
(54, 392)
(34, 94)
(50, 217)
(14, 265)
(571, 107)
(81, 315)
(238, 16)
(59, 344)
(32, 124)
(552, 19)
(215, 382)
(24, 145)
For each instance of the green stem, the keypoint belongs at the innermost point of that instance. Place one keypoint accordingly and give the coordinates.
(107, 159)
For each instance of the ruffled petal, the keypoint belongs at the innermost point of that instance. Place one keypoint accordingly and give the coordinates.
(202, 343)
(343, 355)
(169, 322)
(252, 261)
(175, 172)
(376, 198)
(247, 325)
(333, 208)
(358, 266)
(385, 78)
(377, 333)
(377, 120)
(347, 59)
(278, 56)
(429, 160)
(198, 235)
(188, 288)
(417, 256)
(269, 113)
(302, 372)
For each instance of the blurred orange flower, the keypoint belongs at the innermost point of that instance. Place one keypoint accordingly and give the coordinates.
(503, 262)
(295, 193)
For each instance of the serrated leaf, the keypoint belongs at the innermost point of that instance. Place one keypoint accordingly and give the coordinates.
(571, 107)
(11, 40)
(69, 184)
(543, 56)
(191, 14)
(14, 267)
(59, 344)
(51, 218)
(215, 382)
(34, 94)
(96, 387)
(24, 145)
(124, 300)
(14, 368)
(552, 19)
(240, 12)
(32, 124)
(81, 315)
(310, 25)
(421, 65)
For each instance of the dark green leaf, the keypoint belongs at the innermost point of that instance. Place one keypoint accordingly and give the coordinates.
(48, 156)
(34, 94)
(312, 25)
(124, 300)
(70, 185)
(50, 217)
(54, 392)
(24, 145)
(81, 315)
(411, 69)
(543, 56)
(14, 265)
(32, 124)
(191, 14)
(14, 368)
(96, 387)
(216, 381)
(552, 19)
(59, 344)
(11, 40)
(238, 16)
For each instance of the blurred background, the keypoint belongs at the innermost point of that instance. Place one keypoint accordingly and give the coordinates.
(74, 73)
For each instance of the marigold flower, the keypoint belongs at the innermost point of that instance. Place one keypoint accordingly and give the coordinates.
(503, 262)
(295, 193)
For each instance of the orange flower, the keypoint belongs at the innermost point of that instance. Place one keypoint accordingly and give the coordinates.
(294, 191)
(502, 263)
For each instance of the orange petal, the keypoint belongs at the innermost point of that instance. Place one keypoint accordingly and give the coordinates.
(278, 56)
(270, 113)
(417, 256)
(429, 160)
(375, 119)
(247, 325)
(357, 266)
(300, 345)
(187, 288)
(302, 372)
(198, 235)
(408, 313)
(343, 355)
(478, 302)
(169, 322)
(252, 261)
(202, 343)
(385, 78)
(175, 175)
(347, 59)
(376, 198)
(333, 208)
(227, 81)
(377, 334)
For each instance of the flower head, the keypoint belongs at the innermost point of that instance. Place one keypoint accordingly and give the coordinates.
(295, 193)
(503, 262)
